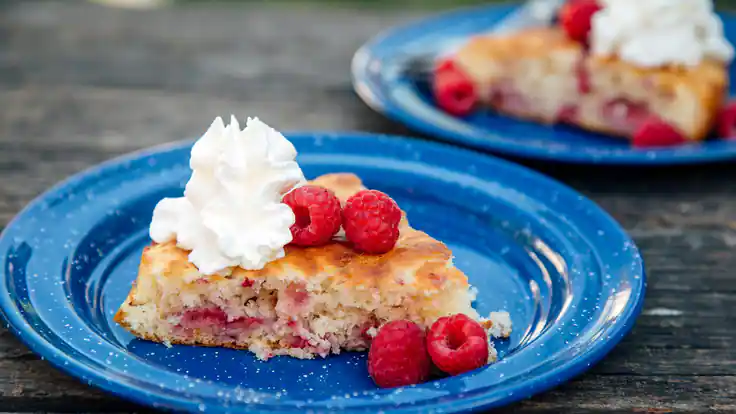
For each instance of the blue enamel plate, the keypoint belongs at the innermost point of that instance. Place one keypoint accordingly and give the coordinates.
(570, 277)
(389, 74)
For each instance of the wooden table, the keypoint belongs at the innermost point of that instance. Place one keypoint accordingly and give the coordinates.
(80, 83)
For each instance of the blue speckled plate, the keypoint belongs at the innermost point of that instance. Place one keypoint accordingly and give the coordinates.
(381, 78)
(571, 279)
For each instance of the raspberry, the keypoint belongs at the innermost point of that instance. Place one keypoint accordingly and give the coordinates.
(453, 90)
(398, 355)
(317, 212)
(457, 344)
(656, 133)
(371, 221)
(726, 124)
(576, 17)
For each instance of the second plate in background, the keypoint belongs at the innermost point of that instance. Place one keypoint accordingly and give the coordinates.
(380, 78)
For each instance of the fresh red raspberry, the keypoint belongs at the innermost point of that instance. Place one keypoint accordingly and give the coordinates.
(657, 133)
(398, 355)
(457, 344)
(317, 212)
(371, 221)
(453, 90)
(726, 124)
(576, 18)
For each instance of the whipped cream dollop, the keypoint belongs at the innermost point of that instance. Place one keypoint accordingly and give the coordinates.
(231, 213)
(654, 33)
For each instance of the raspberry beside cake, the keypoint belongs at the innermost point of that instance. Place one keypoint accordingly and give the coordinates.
(313, 301)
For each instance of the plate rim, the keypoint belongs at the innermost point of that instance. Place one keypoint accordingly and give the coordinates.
(23, 330)
(390, 109)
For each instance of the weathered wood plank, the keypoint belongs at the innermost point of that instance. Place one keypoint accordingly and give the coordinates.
(639, 394)
(218, 48)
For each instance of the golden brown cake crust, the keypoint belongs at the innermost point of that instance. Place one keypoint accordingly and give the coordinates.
(415, 253)
(539, 42)
(529, 43)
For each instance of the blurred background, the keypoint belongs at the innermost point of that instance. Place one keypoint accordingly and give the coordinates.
(433, 4)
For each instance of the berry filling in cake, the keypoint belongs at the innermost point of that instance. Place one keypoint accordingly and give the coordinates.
(268, 317)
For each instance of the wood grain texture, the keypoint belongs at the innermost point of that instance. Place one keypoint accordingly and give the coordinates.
(81, 83)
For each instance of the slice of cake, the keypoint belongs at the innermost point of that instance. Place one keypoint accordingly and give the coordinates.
(542, 75)
(312, 301)
(607, 66)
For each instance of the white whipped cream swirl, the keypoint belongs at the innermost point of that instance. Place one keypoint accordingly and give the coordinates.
(653, 33)
(231, 213)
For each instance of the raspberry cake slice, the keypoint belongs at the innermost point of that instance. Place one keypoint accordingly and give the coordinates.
(543, 75)
(314, 301)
